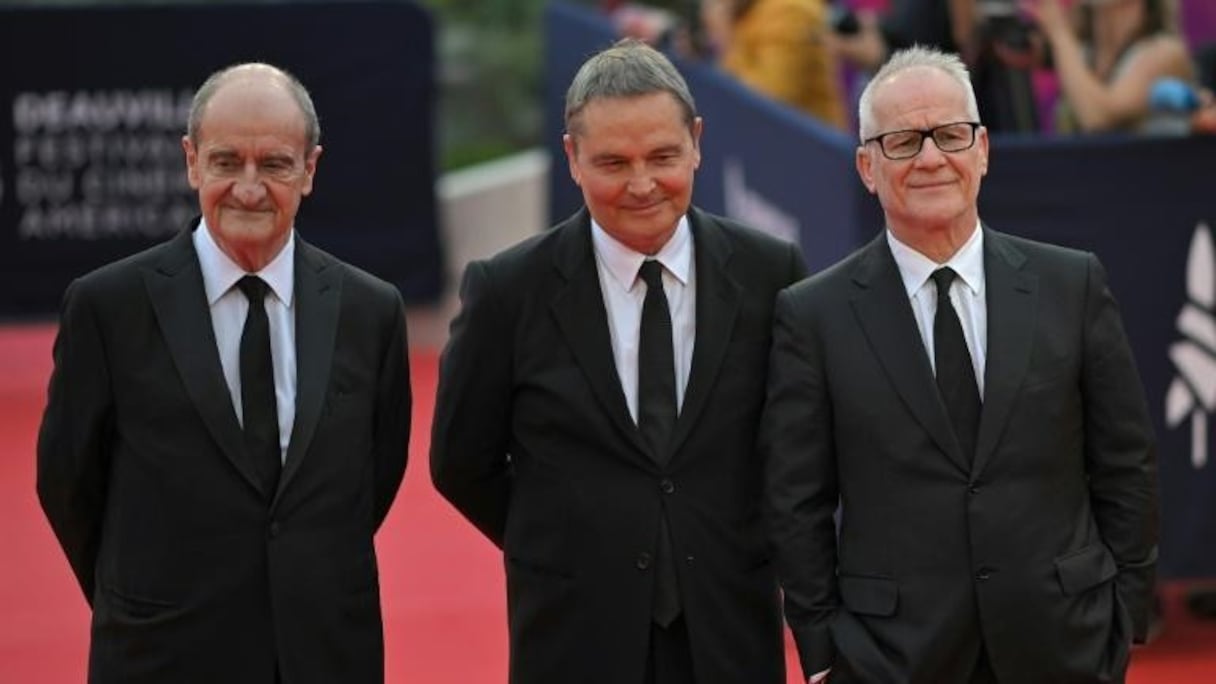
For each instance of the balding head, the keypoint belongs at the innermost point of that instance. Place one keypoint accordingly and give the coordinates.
(254, 73)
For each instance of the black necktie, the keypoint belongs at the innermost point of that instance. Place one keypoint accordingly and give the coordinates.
(657, 420)
(955, 374)
(656, 365)
(260, 416)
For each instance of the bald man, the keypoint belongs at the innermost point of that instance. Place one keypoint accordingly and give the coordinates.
(217, 451)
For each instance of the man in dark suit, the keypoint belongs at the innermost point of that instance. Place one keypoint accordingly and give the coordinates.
(227, 423)
(991, 456)
(598, 404)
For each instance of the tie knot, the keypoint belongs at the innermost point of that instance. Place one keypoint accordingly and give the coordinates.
(253, 287)
(651, 272)
(942, 277)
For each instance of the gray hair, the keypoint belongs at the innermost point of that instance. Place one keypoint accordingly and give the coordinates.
(911, 58)
(630, 68)
(312, 126)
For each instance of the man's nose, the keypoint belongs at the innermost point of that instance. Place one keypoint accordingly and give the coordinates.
(930, 153)
(248, 188)
(641, 183)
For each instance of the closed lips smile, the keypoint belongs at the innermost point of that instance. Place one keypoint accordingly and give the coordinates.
(932, 184)
(643, 207)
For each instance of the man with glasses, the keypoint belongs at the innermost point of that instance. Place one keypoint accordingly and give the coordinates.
(967, 404)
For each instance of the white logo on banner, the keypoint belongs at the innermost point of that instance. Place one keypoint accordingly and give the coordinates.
(1193, 391)
(749, 206)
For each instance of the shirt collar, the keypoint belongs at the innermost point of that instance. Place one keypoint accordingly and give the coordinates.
(220, 272)
(623, 263)
(916, 268)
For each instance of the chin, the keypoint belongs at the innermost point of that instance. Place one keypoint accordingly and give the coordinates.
(252, 227)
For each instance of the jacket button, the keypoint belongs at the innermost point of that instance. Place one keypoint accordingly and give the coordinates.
(973, 490)
(984, 574)
(643, 561)
(667, 486)
(274, 529)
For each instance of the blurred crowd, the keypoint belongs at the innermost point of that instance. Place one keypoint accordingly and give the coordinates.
(1064, 66)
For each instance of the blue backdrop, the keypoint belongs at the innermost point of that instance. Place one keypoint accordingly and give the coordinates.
(93, 104)
(1143, 206)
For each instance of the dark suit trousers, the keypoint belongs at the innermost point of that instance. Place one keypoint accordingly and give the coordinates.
(983, 673)
(670, 657)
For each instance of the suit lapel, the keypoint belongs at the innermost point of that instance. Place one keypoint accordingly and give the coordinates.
(1012, 298)
(175, 287)
(578, 308)
(717, 305)
(882, 308)
(318, 293)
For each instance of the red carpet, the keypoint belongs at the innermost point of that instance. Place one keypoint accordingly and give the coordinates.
(445, 617)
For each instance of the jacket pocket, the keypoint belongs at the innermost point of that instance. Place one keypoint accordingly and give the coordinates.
(869, 595)
(1085, 568)
(135, 607)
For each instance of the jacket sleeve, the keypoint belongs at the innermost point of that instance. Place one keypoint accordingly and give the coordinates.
(800, 483)
(393, 404)
(470, 465)
(1120, 454)
(75, 436)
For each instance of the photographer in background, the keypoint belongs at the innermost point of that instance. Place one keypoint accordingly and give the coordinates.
(1108, 63)
(967, 27)
(865, 39)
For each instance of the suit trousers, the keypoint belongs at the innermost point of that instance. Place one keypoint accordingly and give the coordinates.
(843, 673)
(670, 657)
(983, 674)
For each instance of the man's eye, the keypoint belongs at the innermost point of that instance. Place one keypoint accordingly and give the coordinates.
(902, 142)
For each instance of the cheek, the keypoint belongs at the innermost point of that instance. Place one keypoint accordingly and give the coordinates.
(210, 193)
(678, 182)
(603, 191)
(286, 196)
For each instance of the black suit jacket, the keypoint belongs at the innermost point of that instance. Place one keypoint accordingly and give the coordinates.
(193, 572)
(1044, 547)
(534, 444)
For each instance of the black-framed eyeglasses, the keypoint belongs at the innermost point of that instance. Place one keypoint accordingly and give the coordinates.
(905, 144)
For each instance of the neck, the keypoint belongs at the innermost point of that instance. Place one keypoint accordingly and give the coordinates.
(254, 258)
(937, 244)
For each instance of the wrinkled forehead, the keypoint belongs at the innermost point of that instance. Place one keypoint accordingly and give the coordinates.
(253, 105)
(602, 110)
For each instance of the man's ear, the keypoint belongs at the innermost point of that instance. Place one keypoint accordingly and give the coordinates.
(698, 125)
(571, 148)
(865, 169)
(310, 169)
(192, 171)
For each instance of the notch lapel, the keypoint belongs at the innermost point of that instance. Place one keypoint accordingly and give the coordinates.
(318, 295)
(175, 287)
(717, 305)
(578, 309)
(1012, 300)
(881, 305)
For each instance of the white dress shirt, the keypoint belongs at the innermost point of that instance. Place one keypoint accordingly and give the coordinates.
(624, 293)
(966, 293)
(229, 308)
